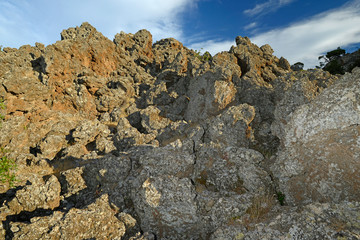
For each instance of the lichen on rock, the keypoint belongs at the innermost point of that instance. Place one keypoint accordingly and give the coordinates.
(130, 139)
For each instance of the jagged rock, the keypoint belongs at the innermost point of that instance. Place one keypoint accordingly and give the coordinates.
(84, 180)
(231, 128)
(128, 136)
(145, 236)
(88, 131)
(167, 207)
(174, 159)
(258, 62)
(116, 93)
(230, 170)
(314, 221)
(38, 193)
(225, 181)
(151, 119)
(162, 192)
(208, 95)
(165, 52)
(320, 147)
(350, 61)
(96, 221)
(297, 66)
(295, 90)
(154, 141)
(139, 45)
(73, 182)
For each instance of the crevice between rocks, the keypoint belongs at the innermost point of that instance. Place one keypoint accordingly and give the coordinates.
(243, 66)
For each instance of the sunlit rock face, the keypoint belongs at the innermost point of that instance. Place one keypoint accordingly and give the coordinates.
(130, 139)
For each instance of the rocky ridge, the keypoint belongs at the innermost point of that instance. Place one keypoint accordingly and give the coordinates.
(130, 139)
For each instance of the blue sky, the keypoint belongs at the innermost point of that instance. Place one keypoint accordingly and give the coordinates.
(299, 30)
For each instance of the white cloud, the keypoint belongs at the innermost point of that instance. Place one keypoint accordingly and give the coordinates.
(267, 7)
(305, 41)
(212, 46)
(25, 22)
(251, 26)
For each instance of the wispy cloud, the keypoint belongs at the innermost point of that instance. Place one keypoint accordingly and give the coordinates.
(212, 46)
(304, 41)
(22, 22)
(251, 26)
(267, 7)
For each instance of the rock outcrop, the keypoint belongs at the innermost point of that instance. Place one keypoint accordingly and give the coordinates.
(130, 139)
(320, 149)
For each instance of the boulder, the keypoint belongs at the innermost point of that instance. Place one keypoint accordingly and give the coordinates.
(315, 221)
(39, 193)
(318, 158)
(97, 221)
(231, 127)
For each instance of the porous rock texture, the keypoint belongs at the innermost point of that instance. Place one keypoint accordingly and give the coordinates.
(130, 139)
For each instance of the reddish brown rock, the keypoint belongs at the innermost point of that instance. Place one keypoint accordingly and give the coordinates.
(182, 144)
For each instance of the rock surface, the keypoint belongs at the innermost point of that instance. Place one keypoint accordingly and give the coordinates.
(319, 160)
(130, 139)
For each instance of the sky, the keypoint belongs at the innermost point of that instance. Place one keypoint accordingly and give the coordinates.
(299, 30)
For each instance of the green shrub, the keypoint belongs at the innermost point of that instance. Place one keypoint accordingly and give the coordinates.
(7, 168)
(2, 106)
(335, 53)
(332, 60)
(281, 198)
(203, 57)
(334, 67)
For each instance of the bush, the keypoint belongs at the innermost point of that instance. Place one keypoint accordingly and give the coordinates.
(203, 57)
(281, 198)
(335, 53)
(332, 61)
(297, 66)
(7, 168)
(2, 106)
(334, 67)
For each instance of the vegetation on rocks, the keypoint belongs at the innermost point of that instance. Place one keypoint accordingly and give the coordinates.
(2, 106)
(338, 61)
(7, 168)
(203, 57)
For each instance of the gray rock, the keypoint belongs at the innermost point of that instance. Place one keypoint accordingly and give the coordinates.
(128, 136)
(313, 221)
(151, 119)
(95, 221)
(208, 95)
(167, 207)
(72, 181)
(230, 169)
(38, 194)
(320, 147)
(118, 92)
(231, 127)
(88, 131)
(294, 90)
